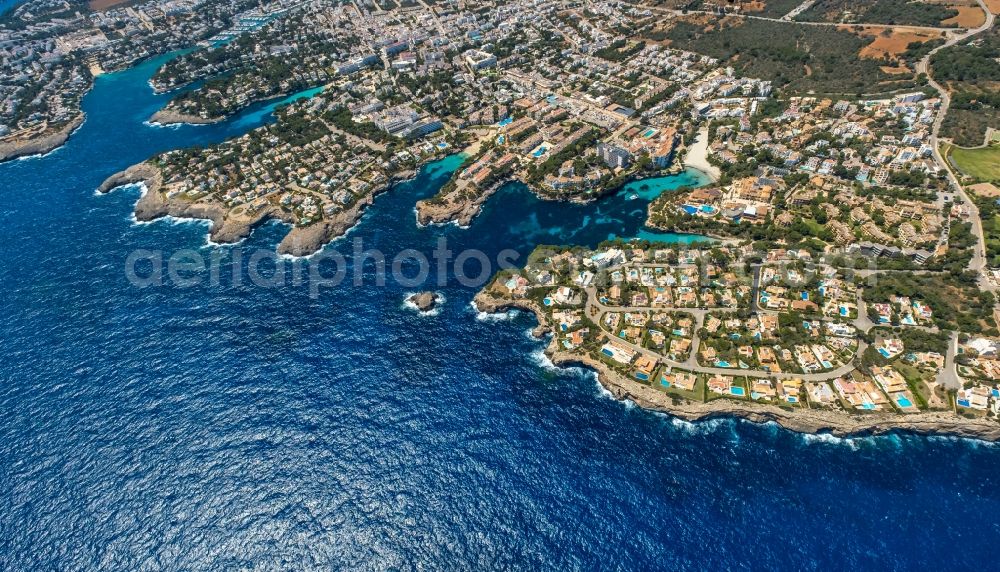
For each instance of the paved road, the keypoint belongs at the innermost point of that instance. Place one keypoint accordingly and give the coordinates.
(594, 309)
(798, 10)
(948, 376)
(978, 262)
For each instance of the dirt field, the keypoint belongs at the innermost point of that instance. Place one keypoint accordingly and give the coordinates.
(968, 17)
(99, 5)
(892, 45)
(993, 5)
(898, 70)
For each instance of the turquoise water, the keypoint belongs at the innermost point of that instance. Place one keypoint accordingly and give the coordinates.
(233, 427)
(649, 189)
(904, 402)
(737, 391)
(263, 111)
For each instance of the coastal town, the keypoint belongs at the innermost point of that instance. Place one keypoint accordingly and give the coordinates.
(781, 335)
(850, 278)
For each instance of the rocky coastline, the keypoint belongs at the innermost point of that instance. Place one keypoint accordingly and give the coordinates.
(229, 227)
(424, 301)
(41, 144)
(454, 207)
(811, 421)
(168, 116)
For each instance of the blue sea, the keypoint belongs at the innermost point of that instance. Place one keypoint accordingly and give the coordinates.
(235, 427)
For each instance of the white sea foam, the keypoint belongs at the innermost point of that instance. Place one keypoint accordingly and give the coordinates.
(698, 427)
(541, 360)
(158, 125)
(441, 224)
(829, 439)
(495, 317)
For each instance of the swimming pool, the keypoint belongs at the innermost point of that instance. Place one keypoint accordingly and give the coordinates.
(642, 376)
(664, 382)
(547, 301)
(885, 353)
(707, 209)
(649, 132)
(505, 122)
(539, 152)
(904, 402)
(722, 364)
(737, 391)
(689, 209)
(843, 310)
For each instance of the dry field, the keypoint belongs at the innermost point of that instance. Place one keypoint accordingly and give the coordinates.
(98, 5)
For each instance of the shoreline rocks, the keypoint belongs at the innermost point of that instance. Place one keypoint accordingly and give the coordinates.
(424, 301)
(41, 144)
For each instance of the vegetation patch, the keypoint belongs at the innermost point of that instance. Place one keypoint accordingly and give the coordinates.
(797, 58)
(982, 164)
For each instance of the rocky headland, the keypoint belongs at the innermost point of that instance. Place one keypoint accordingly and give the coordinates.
(40, 144)
(233, 225)
(167, 116)
(460, 205)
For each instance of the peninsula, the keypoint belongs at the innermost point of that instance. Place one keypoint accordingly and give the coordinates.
(857, 142)
(779, 335)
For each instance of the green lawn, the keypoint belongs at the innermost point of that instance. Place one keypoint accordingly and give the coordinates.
(982, 164)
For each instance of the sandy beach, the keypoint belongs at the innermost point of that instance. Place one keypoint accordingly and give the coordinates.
(697, 156)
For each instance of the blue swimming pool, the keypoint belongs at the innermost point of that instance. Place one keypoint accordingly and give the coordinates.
(722, 364)
(690, 209)
(904, 402)
(540, 151)
(885, 353)
(737, 391)
(505, 122)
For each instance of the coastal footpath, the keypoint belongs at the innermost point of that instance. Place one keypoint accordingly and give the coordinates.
(40, 144)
